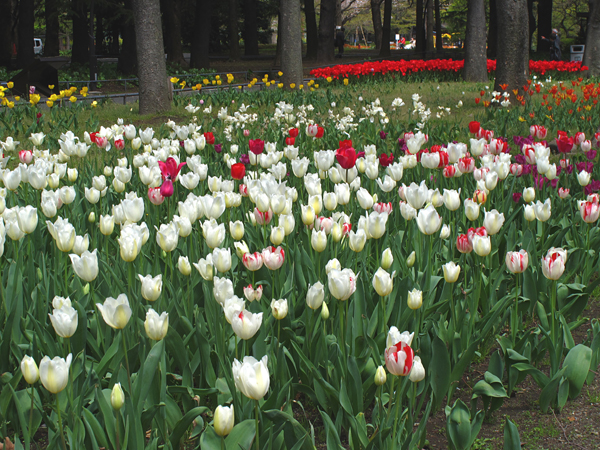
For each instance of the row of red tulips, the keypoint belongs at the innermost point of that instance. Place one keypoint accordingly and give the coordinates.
(408, 67)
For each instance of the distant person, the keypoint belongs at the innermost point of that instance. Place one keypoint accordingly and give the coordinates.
(402, 42)
(340, 40)
(555, 52)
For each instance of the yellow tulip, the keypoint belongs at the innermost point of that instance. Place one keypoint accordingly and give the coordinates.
(17, 98)
(72, 99)
(280, 73)
(10, 84)
(174, 80)
(345, 81)
(11, 105)
(292, 85)
(49, 103)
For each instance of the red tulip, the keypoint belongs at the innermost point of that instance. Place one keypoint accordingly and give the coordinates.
(293, 132)
(256, 146)
(474, 127)
(238, 171)
(210, 138)
(346, 157)
(290, 141)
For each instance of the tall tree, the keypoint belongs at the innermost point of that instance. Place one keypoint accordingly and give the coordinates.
(250, 34)
(25, 33)
(234, 44)
(512, 63)
(80, 51)
(152, 68)
(591, 57)
(377, 25)
(325, 50)
(127, 63)
(544, 10)
(312, 34)
(429, 25)
(201, 38)
(493, 31)
(439, 42)
(421, 44)
(51, 47)
(532, 25)
(386, 30)
(6, 25)
(171, 11)
(475, 51)
(291, 42)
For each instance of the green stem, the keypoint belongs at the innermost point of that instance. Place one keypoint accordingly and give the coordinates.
(117, 425)
(222, 443)
(389, 411)
(127, 362)
(342, 339)
(397, 406)
(31, 415)
(257, 436)
(553, 324)
(60, 424)
(515, 315)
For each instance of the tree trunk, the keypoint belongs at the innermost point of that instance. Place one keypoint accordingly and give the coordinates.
(532, 25)
(80, 51)
(338, 13)
(591, 57)
(152, 69)
(201, 37)
(127, 63)
(429, 26)
(475, 52)
(512, 65)
(544, 25)
(312, 35)
(100, 48)
(52, 29)
(386, 30)
(234, 44)
(439, 42)
(114, 39)
(377, 25)
(492, 32)
(420, 29)
(277, 61)
(250, 27)
(6, 41)
(25, 33)
(171, 11)
(291, 42)
(325, 49)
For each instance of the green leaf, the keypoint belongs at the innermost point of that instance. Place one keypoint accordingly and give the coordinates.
(242, 435)
(209, 440)
(144, 380)
(577, 365)
(512, 440)
(332, 438)
(440, 371)
(459, 426)
(183, 424)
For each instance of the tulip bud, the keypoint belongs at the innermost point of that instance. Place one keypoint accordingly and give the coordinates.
(315, 296)
(279, 308)
(380, 376)
(324, 311)
(92, 217)
(387, 259)
(451, 272)
(415, 299)
(528, 194)
(30, 370)
(277, 235)
(224, 420)
(445, 233)
(184, 266)
(86, 289)
(410, 261)
(529, 213)
(417, 372)
(117, 397)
